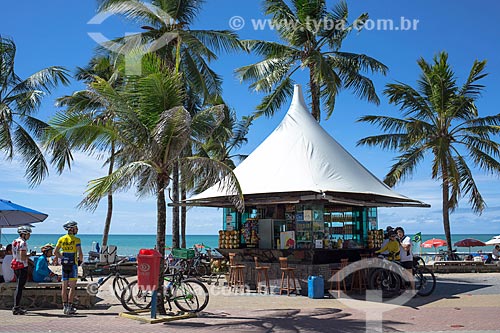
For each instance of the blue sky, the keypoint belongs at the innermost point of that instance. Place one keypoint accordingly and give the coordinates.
(55, 32)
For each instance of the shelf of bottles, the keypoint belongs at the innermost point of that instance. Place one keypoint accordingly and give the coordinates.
(309, 225)
(347, 227)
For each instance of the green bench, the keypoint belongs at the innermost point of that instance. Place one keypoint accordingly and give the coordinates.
(44, 295)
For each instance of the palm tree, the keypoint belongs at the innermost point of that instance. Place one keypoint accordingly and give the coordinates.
(83, 110)
(313, 38)
(153, 129)
(440, 119)
(166, 25)
(19, 100)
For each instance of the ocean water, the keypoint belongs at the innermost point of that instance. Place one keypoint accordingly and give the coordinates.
(129, 245)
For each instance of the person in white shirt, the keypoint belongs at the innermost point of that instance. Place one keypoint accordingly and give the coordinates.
(7, 271)
(496, 252)
(20, 266)
(406, 255)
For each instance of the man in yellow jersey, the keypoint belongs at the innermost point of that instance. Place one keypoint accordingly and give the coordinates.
(69, 253)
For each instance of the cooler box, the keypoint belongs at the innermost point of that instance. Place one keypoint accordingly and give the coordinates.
(315, 287)
(183, 253)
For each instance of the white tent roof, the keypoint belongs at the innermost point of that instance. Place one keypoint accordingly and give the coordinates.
(301, 157)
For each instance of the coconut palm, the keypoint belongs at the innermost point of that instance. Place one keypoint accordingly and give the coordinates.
(441, 120)
(166, 25)
(153, 129)
(20, 99)
(83, 110)
(312, 38)
(167, 32)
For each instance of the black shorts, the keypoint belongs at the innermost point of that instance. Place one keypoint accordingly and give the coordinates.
(407, 264)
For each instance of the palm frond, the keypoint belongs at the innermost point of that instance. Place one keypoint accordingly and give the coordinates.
(36, 166)
(218, 40)
(272, 102)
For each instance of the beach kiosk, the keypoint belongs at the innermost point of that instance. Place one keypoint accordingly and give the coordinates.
(305, 197)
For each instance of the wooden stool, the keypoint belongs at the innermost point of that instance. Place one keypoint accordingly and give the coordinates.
(262, 276)
(287, 273)
(340, 278)
(236, 273)
(359, 277)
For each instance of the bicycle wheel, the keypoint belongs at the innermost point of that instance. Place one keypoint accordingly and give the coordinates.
(201, 270)
(382, 279)
(119, 284)
(190, 295)
(132, 298)
(425, 281)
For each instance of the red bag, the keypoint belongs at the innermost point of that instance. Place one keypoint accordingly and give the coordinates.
(15, 265)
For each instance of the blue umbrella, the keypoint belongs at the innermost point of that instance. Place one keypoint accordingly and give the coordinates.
(13, 215)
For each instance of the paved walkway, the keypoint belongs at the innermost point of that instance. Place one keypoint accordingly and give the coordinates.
(462, 302)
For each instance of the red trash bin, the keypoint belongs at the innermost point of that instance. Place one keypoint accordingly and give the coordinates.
(148, 269)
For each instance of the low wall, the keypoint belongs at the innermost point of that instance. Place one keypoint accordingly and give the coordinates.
(44, 296)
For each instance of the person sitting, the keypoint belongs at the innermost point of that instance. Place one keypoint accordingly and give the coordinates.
(42, 273)
(8, 272)
(489, 260)
(496, 252)
(2, 254)
(392, 247)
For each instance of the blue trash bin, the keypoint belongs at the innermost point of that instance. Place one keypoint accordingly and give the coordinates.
(315, 287)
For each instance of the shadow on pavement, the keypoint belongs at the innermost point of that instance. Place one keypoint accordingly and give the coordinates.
(277, 320)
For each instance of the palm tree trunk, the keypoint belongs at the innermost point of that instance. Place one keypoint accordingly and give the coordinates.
(446, 211)
(183, 217)
(315, 100)
(175, 208)
(109, 214)
(161, 227)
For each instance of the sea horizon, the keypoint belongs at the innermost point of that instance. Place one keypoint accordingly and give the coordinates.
(130, 244)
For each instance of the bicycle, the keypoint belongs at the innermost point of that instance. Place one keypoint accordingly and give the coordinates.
(389, 281)
(119, 282)
(188, 295)
(448, 255)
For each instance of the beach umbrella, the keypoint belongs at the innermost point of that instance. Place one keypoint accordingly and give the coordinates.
(469, 242)
(494, 241)
(434, 242)
(13, 215)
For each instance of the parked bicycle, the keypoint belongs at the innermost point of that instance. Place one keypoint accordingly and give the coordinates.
(389, 281)
(119, 281)
(447, 255)
(188, 294)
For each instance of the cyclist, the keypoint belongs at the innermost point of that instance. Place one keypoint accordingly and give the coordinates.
(406, 255)
(20, 265)
(391, 247)
(69, 253)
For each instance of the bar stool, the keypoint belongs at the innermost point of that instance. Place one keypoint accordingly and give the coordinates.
(359, 277)
(236, 273)
(287, 273)
(340, 278)
(262, 276)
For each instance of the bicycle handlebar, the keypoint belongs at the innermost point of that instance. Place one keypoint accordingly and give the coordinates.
(118, 263)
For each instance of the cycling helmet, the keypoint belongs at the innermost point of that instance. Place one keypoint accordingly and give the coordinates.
(24, 229)
(70, 224)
